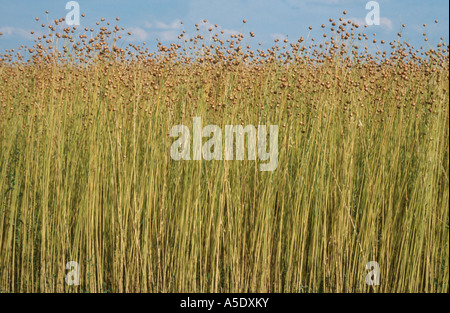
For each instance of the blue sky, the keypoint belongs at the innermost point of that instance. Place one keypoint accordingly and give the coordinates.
(268, 19)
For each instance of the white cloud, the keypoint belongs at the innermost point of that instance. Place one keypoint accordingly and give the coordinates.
(384, 22)
(138, 33)
(175, 24)
(226, 31)
(279, 36)
(16, 31)
(357, 20)
(155, 29)
(230, 31)
(168, 31)
(300, 3)
(169, 35)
